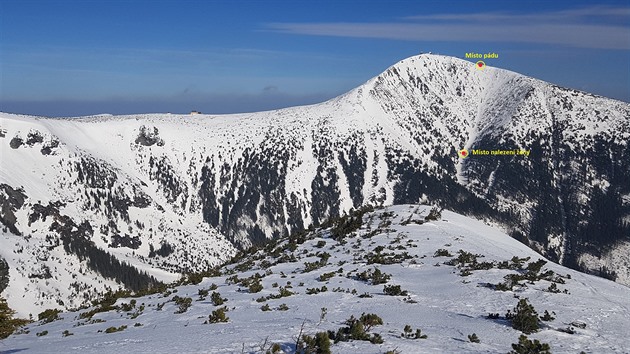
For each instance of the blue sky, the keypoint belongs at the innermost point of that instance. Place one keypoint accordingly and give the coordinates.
(80, 57)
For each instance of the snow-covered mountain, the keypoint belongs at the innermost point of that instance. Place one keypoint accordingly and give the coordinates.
(88, 202)
(447, 276)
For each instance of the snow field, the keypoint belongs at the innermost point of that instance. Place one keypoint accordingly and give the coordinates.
(444, 305)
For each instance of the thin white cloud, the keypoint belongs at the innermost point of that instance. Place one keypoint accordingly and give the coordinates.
(583, 28)
(573, 15)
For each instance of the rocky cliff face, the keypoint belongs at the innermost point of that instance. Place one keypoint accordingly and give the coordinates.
(164, 193)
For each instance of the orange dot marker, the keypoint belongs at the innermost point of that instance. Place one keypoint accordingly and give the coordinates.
(463, 153)
(480, 65)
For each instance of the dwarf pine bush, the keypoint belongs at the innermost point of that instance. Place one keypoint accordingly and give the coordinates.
(217, 316)
(525, 317)
(526, 346)
(216, 299)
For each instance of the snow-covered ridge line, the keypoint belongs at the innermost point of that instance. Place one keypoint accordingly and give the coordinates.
(175, 193)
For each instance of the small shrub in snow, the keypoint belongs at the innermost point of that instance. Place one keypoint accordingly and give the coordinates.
(115, 329)
(473, 338)
(533, 268)
(524, 318)
(136, 313)
(442, 253)
(313, 291)
(517, 263)
(41, 334)
(547, 316)
(283, 307)
(126, 307)
(183, 303)
(217, 299)
(284, 292)
(394, 290)
(49, 315)
(202, 294)
(320, 244)
(245, 266)
(319, 343)
(526, 346)
(434, 214)
(232, 280)
(275, 348)
(505, 286)
(217, 316)
(255, 287)
(464, 258)
(409, 333)
(348, 224)
(193, 278)
(370, 320)
(326, 276)
(67, 333)
(386, 258)
(553, 288)
(311, 266)
(356, 329)
(482, 266)
(375, 277)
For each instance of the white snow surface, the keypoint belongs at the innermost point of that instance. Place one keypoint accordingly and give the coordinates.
(420, 105)
(446, 306)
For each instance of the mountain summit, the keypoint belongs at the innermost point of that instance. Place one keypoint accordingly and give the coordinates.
(98, 201)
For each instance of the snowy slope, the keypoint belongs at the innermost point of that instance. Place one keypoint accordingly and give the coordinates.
(446, 305)
(170, 193)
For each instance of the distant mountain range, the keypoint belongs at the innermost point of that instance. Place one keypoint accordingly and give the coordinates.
(87, 203)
